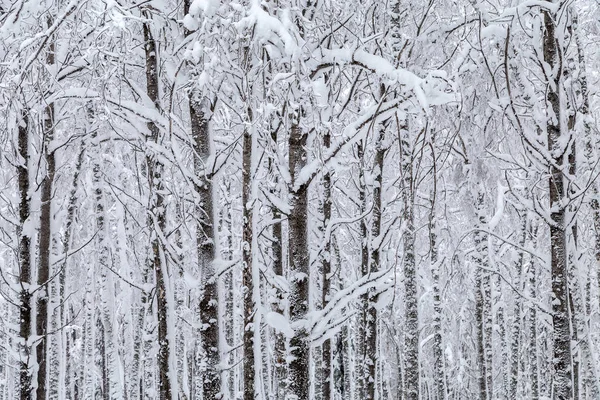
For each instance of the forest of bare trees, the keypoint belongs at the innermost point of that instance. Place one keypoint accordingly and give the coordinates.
(299, 199)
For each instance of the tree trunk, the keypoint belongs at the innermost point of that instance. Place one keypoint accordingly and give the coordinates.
(515, 341)
(371, 350)
(280, 351)
(438, 354)
(45, 240)
(533, 348)
(583, 112)
(24, 260)
(411, 335)
(88, 376)
(299, 382)
(230, 297)
(109, 378)
(205, 240)
(562, 368)
(327, 375)
(157, 220)
(482, 286)
(247, 269)
(59, 351)
(361, 337)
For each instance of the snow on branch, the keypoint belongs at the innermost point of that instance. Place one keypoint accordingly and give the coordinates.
(320, 322)
(268, 28)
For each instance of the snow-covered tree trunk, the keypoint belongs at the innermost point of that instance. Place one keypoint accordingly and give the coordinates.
(45, 237)
(361, 331)
(88, 376)
(24, 233)
(438, 354)
(299, 379)
(60, 367)
(248, 266)
(583, 112)
(280, 350)
(110, 384)
(206, 251)
(371, 328)
(411, 384)
(205, 236)
(532, 334)
(157, 217)
(482, 294)
(229, 322)
(515, 331)
(327, 376)
(562, 386)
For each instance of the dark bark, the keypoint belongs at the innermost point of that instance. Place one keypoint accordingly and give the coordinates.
(45, 248)
(341, 376)
(299, 379)
(562, 368)
(326, 283)
(371, 349)
(483, 305)
(411, 336)
(247, 267)
(157, 219)
(205, 239)
(280, 352)
(24, 259)
(361, 340)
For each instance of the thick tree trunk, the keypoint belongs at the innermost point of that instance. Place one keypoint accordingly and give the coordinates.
(205, 241)
(24, 260)
(157, 221)
(411, 335)
(299, 382)
(562, 360)
(45, 239)
(247, 267)
(562, 368)
(371, 349)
